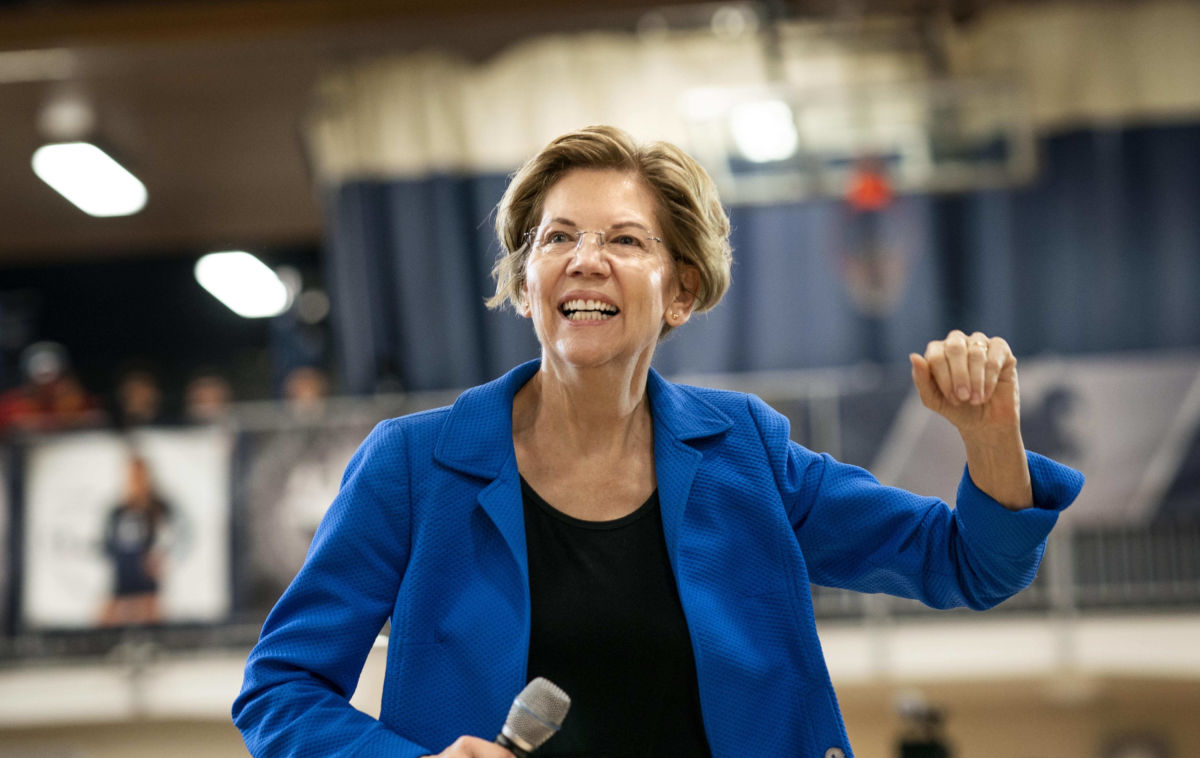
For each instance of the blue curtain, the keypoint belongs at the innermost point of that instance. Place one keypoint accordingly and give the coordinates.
(1101, 253)
(408, 264)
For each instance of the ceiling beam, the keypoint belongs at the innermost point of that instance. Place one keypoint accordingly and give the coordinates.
(114, 23)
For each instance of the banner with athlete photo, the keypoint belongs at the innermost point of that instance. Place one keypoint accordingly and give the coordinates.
(291, 475)
(1129, 422)
(126, 530)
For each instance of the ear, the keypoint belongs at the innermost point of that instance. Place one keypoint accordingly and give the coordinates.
(679, 310)
(522, 304)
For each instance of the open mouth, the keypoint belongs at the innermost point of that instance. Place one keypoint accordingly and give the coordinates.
(588, 310)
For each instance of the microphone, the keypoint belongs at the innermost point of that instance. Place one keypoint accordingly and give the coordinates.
(536, 714)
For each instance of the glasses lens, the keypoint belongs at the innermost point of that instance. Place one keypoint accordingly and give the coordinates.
(628, 240)
(552, 239)
(555, 239)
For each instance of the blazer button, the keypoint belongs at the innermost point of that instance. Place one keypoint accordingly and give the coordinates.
(835, 752)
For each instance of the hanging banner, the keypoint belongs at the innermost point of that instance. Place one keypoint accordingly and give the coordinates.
(126, 530)
(1128, 422)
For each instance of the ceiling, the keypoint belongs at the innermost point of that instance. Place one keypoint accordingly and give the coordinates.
(203, 100)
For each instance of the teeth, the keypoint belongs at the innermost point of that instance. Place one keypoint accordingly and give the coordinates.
(588, 310)
(588, 315)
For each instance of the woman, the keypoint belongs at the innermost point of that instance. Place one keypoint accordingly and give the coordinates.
(135, 543)
(647, 546)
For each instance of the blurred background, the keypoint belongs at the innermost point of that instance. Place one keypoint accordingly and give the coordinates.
(238, 234)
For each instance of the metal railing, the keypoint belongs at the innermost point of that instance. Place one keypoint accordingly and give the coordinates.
(1107, 568)
(1087, 567)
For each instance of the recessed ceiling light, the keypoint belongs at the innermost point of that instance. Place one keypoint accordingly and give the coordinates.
(246, 285)
(89, 178)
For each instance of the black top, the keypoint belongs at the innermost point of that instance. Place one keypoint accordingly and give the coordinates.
(609, 629)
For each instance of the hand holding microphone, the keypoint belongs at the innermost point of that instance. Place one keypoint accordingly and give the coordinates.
(536, 714)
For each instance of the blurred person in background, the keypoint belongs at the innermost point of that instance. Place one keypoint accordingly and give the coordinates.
(136, 541)
(923, 733)
(51, 397)
(305, 390)
(138, 399)
(645, 545)
(207, 398)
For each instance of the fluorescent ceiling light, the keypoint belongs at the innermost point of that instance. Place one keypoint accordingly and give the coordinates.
(89, 178)
(764, 131)
(243, 283)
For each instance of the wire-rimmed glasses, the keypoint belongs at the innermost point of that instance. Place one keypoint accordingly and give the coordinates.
(556, 239)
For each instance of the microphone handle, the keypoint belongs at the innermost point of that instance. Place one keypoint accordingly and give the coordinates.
(512, 747)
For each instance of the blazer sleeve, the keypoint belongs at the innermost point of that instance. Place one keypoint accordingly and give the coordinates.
(858, 534)
(299, 677)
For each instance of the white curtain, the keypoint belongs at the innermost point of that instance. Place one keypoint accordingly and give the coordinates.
(423, 113)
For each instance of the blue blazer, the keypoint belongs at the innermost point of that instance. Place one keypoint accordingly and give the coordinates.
(428, 534)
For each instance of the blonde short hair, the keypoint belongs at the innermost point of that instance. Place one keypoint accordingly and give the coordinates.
(695, 227)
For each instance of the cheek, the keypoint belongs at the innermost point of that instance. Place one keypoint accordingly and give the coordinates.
(530, 292)
(536, 307)
(661, 283)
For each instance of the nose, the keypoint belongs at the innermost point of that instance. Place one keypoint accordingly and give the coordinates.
(589, 258)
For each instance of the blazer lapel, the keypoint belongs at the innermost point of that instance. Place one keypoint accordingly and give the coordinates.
(680, 416)
(477, 440)
(501, 501)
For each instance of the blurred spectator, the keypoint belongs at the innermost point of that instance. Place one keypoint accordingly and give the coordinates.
(136, 539)
(139, 399)
(305, 389)
(923, 736)
(207, 398)
(50, 397)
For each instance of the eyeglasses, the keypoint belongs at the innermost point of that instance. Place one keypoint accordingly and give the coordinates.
(555, 239)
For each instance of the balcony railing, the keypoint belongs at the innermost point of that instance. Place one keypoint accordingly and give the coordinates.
(1131, 566)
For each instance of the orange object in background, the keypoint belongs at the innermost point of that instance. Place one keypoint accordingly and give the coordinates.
(869, 189)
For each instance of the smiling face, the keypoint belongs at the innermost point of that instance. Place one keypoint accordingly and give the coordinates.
(593, 305)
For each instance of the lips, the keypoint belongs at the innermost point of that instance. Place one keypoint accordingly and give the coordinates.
(580, 309)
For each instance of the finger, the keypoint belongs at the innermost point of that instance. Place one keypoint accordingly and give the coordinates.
(956, 363)
(939, 369)
(1008, 367)
(1001, 346)
(474, 747)
(977, 352)
(998, 354)
(923, 380)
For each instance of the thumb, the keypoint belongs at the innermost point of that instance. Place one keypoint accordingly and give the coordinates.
(922, 377)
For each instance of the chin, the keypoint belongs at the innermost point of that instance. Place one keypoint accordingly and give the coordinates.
(577, 355)
(583, 358)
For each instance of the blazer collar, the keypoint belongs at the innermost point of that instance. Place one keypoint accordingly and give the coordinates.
(679, 411)
(477, 437)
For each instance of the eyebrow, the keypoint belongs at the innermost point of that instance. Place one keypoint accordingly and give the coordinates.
(618, 225)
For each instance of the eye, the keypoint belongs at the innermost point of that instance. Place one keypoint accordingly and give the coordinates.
(628, 240)
(557, 237)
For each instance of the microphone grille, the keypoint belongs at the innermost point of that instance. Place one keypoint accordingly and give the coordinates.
(537, 713)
